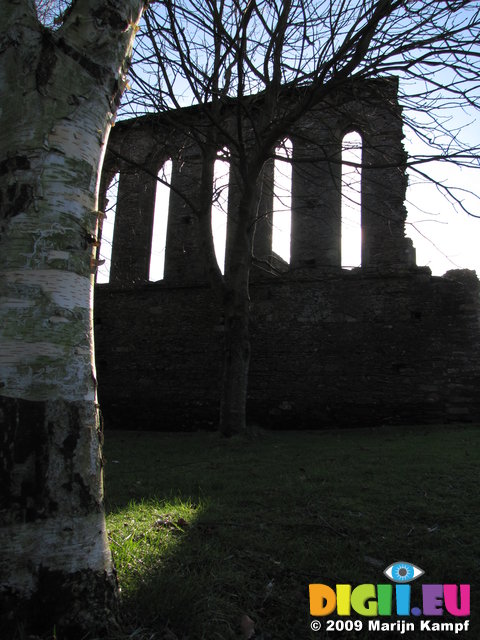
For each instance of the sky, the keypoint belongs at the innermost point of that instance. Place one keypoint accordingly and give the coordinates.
(444, 238)
(444, 235)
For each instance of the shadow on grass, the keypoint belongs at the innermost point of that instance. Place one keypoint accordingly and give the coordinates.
(206, 532)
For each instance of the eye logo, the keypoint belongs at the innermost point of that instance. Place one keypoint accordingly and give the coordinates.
(403, 572)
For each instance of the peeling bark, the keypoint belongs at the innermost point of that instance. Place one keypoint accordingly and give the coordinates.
(55, 556)
(57, 102)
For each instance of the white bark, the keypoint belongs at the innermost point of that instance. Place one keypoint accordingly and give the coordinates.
(62, 544)
(58, 93)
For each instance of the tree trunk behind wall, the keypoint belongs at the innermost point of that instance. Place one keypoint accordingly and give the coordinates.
(236, 364)
(58, 94)
(236, 308)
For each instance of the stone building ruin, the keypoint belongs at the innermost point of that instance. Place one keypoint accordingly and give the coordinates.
(383, 343)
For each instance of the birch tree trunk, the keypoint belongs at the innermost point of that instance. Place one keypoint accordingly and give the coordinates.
(58, 94)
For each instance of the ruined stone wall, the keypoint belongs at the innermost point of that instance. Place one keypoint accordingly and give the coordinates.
(351, 349)
(384, 343)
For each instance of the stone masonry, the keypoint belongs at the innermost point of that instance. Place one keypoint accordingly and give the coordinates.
(385, 343)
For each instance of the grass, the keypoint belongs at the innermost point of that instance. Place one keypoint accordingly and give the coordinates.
(206, 531)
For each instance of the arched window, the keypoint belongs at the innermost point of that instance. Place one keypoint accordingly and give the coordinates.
(108, 225)
(160, 221)
(282, 200)
(221, 179)
(351, 200)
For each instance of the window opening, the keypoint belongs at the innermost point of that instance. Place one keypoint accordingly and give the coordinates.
(351, 247)
(108, 226)
(282, 200)
(160, 223)
(221, 179)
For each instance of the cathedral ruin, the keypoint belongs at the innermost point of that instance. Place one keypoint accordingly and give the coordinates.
(382, 343)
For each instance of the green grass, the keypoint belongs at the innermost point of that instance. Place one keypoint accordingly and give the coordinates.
(206, 530)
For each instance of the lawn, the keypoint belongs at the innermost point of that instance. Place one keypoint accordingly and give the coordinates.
(212, 537)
